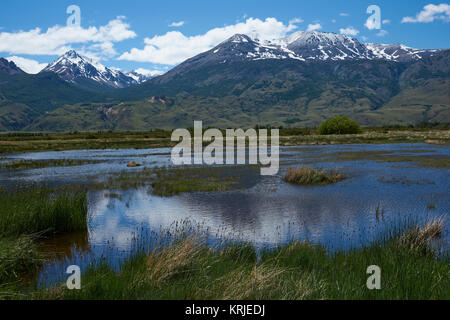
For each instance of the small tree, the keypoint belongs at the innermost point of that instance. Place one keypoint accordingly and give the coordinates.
(339, 125)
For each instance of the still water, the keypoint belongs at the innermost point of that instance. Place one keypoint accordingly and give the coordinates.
(267, 212)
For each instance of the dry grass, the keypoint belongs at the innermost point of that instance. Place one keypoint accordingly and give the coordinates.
(312, 176)
(17, 257)
(242, 284)
(267, 282)
(419, 238)
(172, 260)
(187, 269)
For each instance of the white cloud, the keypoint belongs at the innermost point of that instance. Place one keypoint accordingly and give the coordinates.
(382, 33)
(312, 27)
(430, 13)
(364, 38)
(343, 14)
(59, 39)
(349, 31)
(334, 20)
(176, 24)
(386, 21)
(27, 65)
(174, 47)
(295, 20)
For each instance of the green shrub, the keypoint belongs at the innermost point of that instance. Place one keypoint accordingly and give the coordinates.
(339, 125)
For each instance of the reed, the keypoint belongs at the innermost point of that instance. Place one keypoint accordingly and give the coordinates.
(42, 209)
(187, 269)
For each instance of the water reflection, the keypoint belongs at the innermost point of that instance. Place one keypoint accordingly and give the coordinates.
(266, 212)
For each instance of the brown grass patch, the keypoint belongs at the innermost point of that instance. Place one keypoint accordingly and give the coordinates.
(312, 176)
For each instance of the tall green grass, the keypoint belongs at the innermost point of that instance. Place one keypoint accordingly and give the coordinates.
(42, 209)
(25, 215)
(188, 269)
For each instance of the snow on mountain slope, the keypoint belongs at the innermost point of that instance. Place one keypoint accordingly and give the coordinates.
(317, 45)
(397, 52)
(305, 46)
(142, 75)
(301, 46)
(73, 67)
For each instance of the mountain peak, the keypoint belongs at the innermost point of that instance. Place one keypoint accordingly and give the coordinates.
(71, 54)
(239, 38)
(9, 67)
(75, 68)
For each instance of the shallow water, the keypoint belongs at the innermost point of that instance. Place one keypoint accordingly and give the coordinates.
(267, 213)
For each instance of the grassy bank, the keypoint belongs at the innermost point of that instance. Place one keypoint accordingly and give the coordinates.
(187, 269)
(27, 215)
(30, 142)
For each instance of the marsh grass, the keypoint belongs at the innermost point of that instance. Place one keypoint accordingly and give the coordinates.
(34, 164)
(312, 176)
(428, 161)
(419, 238)
(188, 269)
(26, 216)
(31, 142)
(36, 210)
(18, 256)
(170, 182)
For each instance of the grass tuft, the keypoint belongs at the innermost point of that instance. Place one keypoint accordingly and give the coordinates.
(312, 176)
(419, 238)
(17, 257)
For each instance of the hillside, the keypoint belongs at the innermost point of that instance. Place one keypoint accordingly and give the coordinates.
(299, 81)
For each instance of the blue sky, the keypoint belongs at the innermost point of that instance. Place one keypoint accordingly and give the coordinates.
(157, 35)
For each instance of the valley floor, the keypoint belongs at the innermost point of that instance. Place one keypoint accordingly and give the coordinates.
(34, 142)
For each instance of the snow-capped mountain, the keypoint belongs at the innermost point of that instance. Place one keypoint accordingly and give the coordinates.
(317, 45)
(141, 75)
(306, 46)
(75, 68)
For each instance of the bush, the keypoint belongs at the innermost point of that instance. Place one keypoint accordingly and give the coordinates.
(339, 125)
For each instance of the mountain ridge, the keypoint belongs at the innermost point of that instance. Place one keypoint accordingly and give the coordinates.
(243, 82)
(9, 67)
